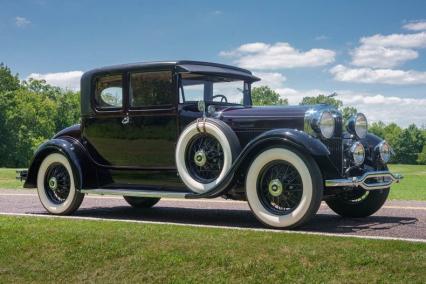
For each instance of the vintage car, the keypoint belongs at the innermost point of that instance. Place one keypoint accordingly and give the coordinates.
(187, 129)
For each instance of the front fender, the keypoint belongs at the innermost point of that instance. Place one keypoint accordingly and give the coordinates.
(284, 136)
(82, 167)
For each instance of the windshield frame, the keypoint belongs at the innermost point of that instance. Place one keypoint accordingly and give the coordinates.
(246, 92)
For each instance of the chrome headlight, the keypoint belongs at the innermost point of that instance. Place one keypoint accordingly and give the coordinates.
(320, 123)
(358, 153)
(358, 125)
(385, 151)
(326, 124)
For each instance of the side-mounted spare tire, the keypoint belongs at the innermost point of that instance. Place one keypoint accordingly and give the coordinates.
(205, 152)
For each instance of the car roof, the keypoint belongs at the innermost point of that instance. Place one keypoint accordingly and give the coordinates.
(181, 66)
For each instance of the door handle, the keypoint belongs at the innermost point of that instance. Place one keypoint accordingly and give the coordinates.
(126, 119)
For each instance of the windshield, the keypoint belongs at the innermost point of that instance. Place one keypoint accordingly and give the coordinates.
(213, 89)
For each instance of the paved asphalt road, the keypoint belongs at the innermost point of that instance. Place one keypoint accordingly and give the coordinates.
(401, 219)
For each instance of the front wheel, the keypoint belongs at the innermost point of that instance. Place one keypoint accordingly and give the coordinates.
(141, 202)
(56, 187)
(358, 203)
(284, 187)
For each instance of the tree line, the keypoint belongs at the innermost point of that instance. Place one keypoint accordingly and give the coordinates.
(32, 111)
(407, 143)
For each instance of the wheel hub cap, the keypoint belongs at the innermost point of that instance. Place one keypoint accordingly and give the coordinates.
(275, 187)
(53, 183)
(200, 158)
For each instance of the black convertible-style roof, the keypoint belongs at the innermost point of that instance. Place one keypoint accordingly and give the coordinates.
(181, 66)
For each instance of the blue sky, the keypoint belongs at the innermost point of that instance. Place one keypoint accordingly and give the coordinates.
(373, 53)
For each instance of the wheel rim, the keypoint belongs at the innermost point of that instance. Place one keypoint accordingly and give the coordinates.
(204, 158)
(57, 183)
(280, 187)
(355, 196)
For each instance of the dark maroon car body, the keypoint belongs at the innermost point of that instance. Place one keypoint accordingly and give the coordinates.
(105, 153)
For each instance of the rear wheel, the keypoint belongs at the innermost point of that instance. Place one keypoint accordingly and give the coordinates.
(141, 202)
(56, 187)
(284, 187)
(358, 202)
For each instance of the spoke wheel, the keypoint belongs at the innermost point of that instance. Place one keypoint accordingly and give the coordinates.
(204, 158)
(283, 187)
(204, 154)
(280, 187)
(57, 183)
(355, 196)
(358, 203)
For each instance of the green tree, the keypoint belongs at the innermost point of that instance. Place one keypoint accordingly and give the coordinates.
(28, 122)
(322, 99)
(421, 158)
(405, 149)
(377, 128)
(347, 112)
(30, 113)
(409, 145)
(264, 95)
(8, 82)
(391, 133)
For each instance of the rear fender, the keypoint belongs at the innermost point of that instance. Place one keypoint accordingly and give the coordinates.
(84, 172)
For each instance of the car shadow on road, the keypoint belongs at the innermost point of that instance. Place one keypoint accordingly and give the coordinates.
(322, 222)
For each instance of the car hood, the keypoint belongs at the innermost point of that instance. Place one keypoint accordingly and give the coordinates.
(258, 118)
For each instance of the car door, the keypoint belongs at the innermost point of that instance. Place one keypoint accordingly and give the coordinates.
(152, 126)
(105, 131)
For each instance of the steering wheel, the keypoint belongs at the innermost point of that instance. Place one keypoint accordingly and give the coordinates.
(222, 98)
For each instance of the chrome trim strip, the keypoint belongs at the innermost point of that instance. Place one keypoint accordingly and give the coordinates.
(388, 180)
(135, 192)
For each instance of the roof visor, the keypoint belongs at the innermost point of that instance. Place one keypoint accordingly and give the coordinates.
(216, 70)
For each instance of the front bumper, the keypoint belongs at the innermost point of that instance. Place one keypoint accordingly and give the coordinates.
(368, 181)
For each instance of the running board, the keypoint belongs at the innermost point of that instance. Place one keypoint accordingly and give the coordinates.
(135, 192)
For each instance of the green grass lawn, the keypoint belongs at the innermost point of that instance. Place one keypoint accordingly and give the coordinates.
(8, 179)
(412, 187)
(54, 250)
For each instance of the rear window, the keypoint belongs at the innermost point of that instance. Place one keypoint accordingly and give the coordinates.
(109, 92)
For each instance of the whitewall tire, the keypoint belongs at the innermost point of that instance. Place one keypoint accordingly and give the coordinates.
(218, 132)
(283, 187)
(56, 186)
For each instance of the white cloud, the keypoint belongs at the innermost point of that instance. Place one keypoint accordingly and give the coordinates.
(273, 80)
(416, 26)
(376, 106)
(21, 22)
(386, 51)
(416, 40)
(280, 55)
(378, 76)
(386, 108)
(65, 80)
(381, 57)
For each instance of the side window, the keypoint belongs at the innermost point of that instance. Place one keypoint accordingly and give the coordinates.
(149, 89)
(109, 92)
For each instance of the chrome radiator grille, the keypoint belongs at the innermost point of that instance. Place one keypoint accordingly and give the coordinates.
(335, 146)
